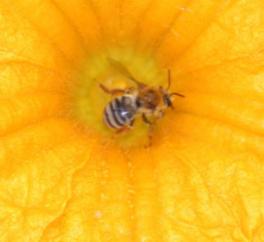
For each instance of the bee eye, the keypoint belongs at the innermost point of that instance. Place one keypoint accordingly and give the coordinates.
(167, 101)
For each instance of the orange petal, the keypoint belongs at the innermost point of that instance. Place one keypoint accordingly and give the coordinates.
(201, 180)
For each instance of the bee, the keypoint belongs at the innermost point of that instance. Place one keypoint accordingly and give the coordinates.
(142, 100)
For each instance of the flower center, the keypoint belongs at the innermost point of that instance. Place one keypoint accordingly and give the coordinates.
(89, 99)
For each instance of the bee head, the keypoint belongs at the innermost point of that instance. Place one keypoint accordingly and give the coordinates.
(167, 100)
(167, 97)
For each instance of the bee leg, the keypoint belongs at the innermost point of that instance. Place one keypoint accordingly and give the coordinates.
(150, 136)
(145, 119)
(150, 131)
(131, 123)
(113, 92)
(122, 130)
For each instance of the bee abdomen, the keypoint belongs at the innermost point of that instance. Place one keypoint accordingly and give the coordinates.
(111, 119)
(118, 113)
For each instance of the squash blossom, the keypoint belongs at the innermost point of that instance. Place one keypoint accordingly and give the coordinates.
(66, 177)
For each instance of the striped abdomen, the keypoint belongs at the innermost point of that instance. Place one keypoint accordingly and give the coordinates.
(120, 112)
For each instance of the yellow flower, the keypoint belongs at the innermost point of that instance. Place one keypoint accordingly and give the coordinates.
(64, 178)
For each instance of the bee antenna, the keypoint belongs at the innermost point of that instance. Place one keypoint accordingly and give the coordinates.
(176, 94)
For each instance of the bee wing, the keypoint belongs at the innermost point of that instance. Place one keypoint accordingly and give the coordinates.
(124, 71)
